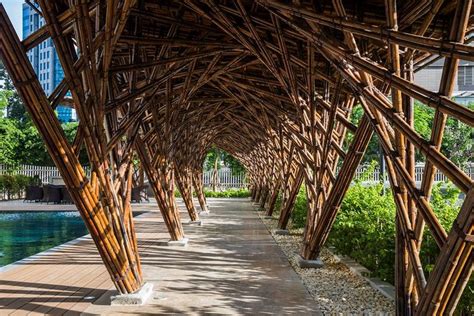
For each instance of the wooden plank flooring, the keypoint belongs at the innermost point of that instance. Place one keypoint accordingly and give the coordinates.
(54, 283)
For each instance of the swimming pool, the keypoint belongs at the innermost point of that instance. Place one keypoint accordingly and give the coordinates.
(23, 234)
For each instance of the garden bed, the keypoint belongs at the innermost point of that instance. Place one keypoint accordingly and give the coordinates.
(334, 287)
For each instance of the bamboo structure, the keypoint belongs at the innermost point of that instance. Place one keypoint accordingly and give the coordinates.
(274, 83)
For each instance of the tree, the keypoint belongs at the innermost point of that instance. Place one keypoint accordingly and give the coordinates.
(20, 142)
(224, 159)
(32, 150)
(70, 129)
(217, 158)
(458, 140)
(4, 96)
(9, 141)
(373, 149)
(10, 100)
(233, 164)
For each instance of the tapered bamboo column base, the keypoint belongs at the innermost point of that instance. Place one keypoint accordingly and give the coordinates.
(138, 298)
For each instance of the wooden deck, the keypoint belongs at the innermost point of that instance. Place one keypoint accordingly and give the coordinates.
(232, 265)
(63, 280)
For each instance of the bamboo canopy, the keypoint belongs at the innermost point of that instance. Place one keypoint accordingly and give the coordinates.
(274, 83)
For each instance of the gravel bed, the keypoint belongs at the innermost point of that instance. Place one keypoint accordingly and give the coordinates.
(335, 288)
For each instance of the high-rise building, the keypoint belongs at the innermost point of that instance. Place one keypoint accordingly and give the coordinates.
(45, 61)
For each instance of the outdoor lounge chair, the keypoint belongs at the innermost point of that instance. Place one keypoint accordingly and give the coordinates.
(51, 194)
(65, 196)
(33, 193)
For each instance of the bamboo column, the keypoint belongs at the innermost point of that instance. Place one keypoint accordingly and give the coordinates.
(273, 198)
(199, 189)
(115, 243)
(162, 182)
(184, 181)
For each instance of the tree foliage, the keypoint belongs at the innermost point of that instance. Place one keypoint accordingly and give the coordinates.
(224, 159)
(10, 101)
(10, 136)
(458, 140)
(20, 141)
(365, 229)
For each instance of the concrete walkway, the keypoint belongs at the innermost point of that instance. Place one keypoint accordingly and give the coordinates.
(231, 266)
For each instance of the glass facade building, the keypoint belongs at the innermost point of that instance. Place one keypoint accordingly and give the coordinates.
(45, 61)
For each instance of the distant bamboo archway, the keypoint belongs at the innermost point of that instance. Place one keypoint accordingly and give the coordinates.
(272, 82)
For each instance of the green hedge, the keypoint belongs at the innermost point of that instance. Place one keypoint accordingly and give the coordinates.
(365, 230)
(298, 216)
(13, 186)
(229, 193)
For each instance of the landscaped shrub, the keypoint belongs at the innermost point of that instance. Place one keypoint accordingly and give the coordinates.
(278, 204)
(229, 193)
(21, 181)
(10, 186)
(298, 216)
(365, 229)
(2, 186)
(13, 186)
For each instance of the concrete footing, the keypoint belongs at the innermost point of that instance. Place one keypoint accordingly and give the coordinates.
(204, 213)
(303, 263)
(281, 232)
(195, 223)
(267, 217)
(180, 243)
(137, 298)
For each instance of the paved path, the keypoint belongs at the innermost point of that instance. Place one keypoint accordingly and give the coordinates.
(20, 205)
(231, 266)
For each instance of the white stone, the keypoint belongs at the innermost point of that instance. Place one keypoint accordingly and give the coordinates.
(137, 298)
(181, 243)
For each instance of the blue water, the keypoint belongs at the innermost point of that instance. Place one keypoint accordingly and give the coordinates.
(23, 234)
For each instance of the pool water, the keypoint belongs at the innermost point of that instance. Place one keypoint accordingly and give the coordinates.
(23, 234)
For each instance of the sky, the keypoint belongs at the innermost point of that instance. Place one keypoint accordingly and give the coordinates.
(14, 10)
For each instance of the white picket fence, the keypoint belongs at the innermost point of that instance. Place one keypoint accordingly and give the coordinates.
(375, 176)
(226, 179)
(45, 173)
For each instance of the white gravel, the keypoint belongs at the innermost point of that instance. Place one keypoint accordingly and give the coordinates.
(335, 288)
